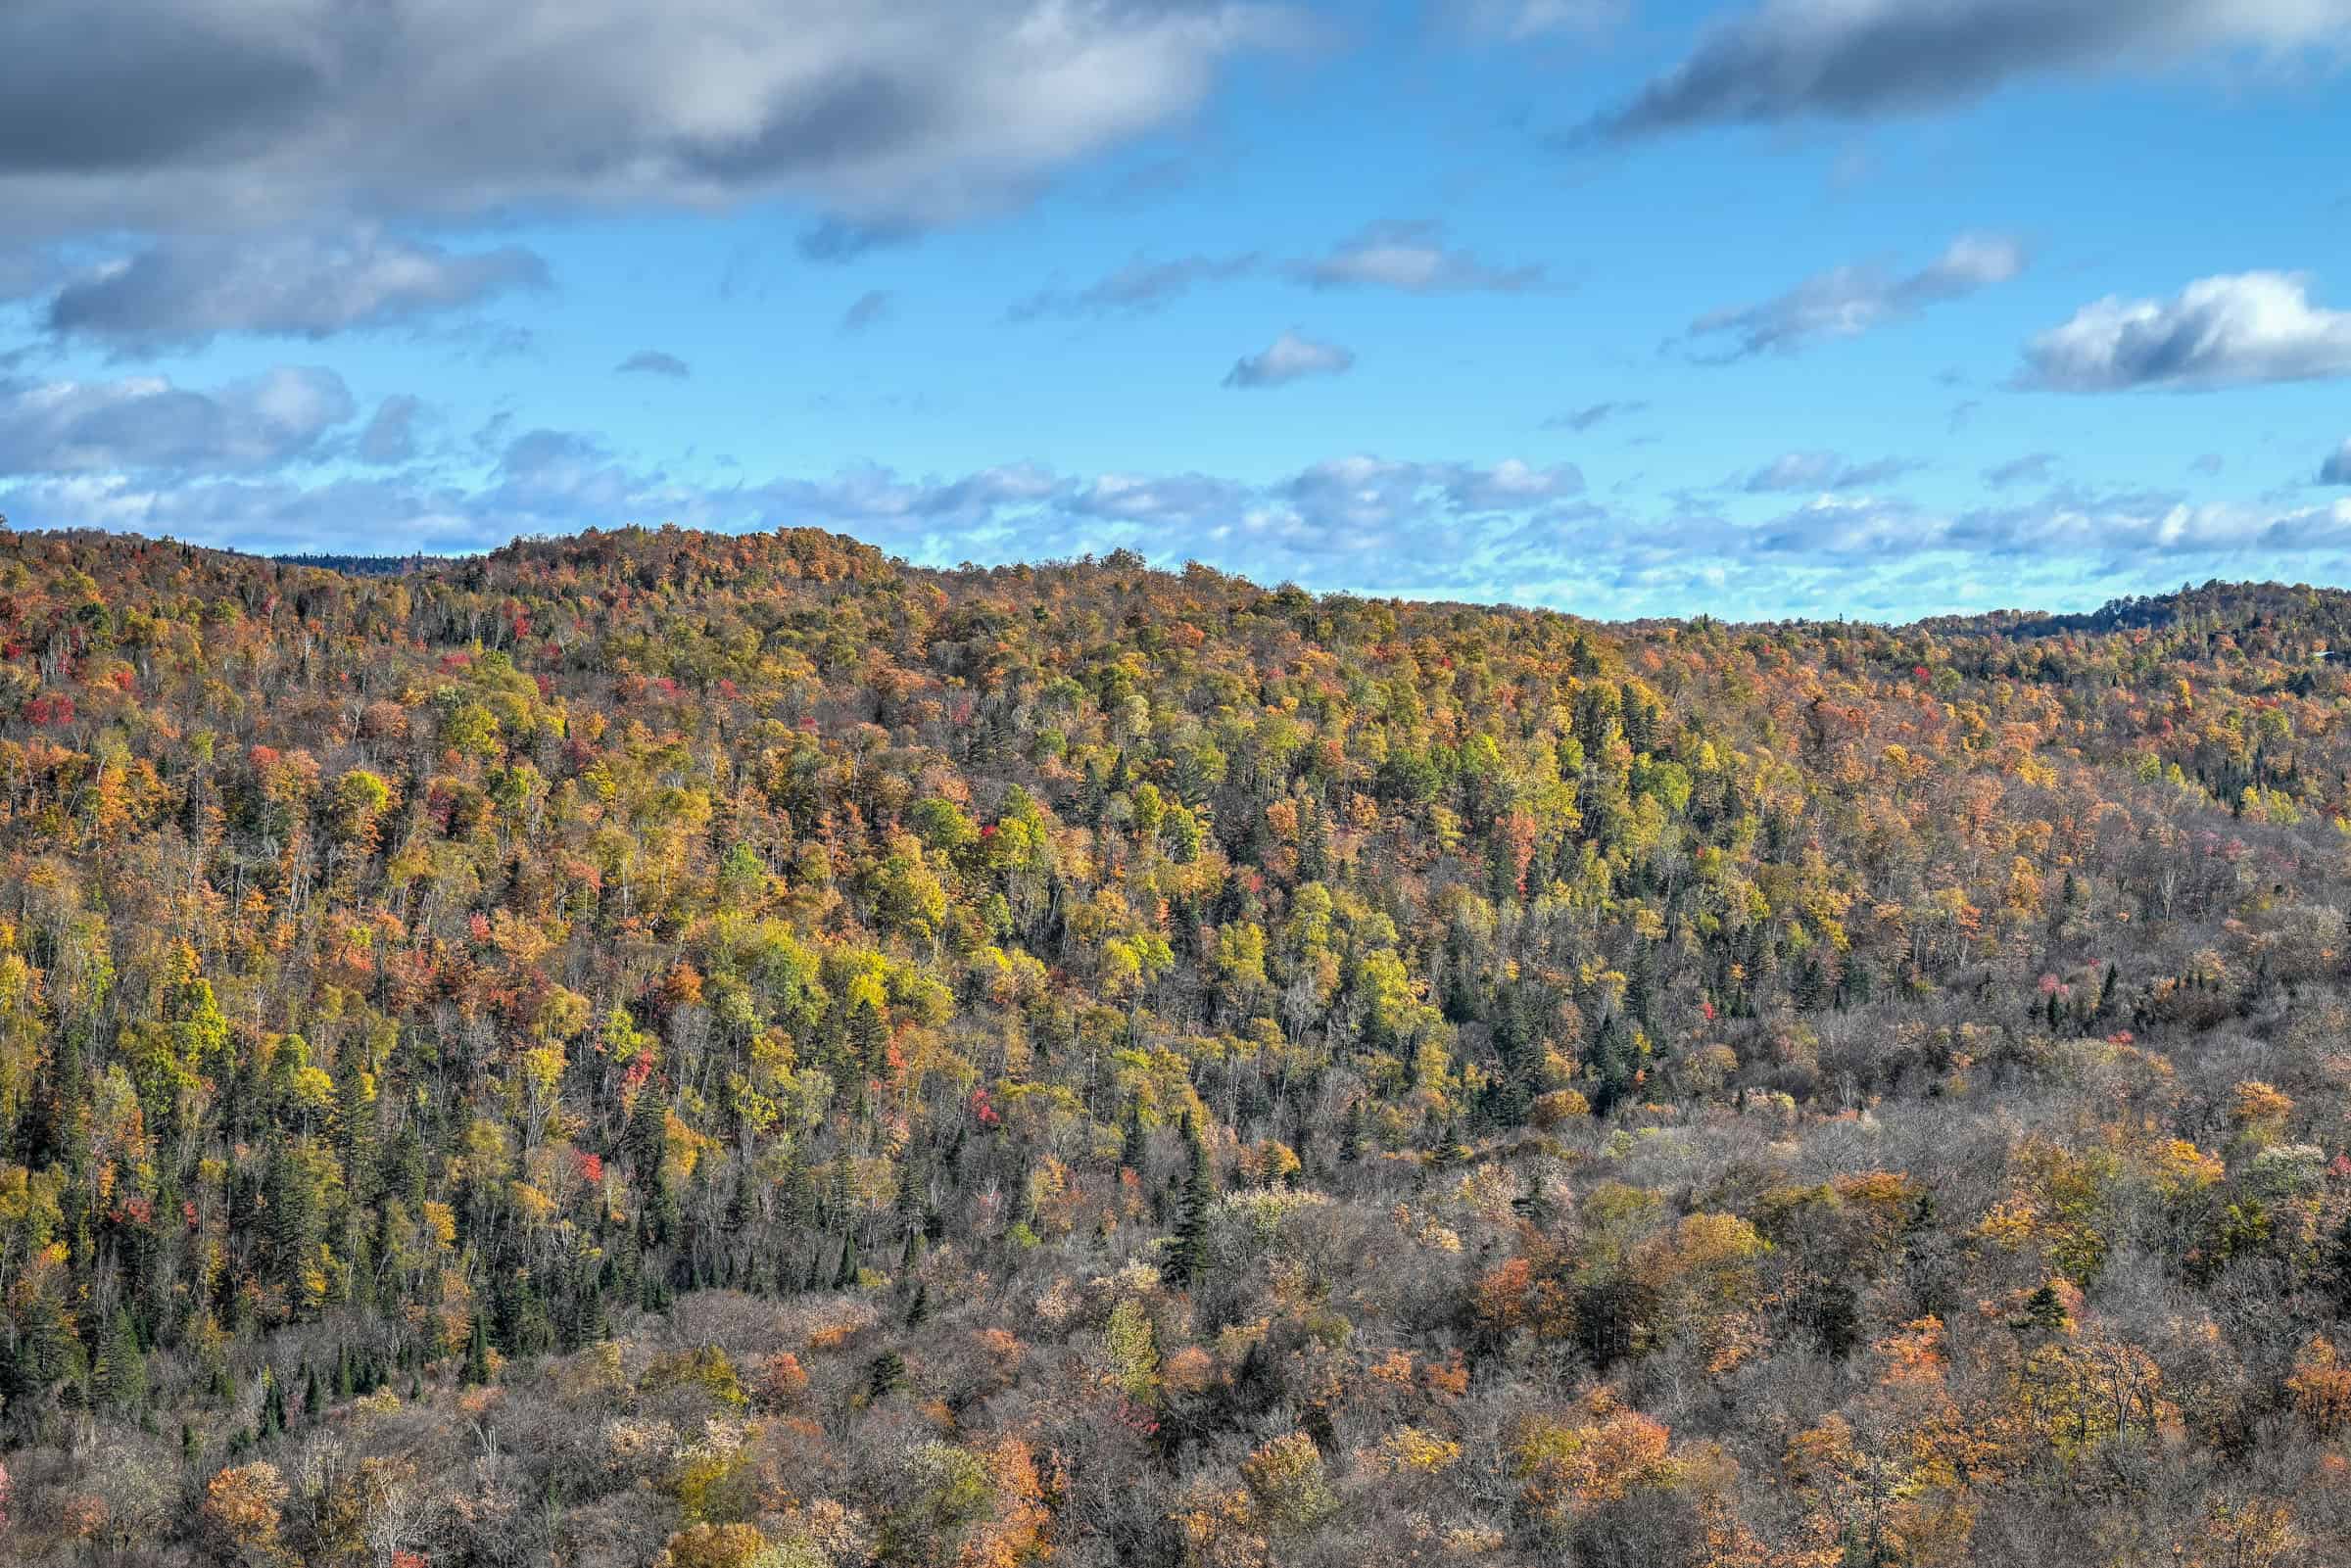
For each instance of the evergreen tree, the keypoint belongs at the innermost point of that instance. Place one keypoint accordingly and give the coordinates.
(1188, 1252)
(1134, 1145)
(119, 1378)
(273, 1403)
(477, 1355)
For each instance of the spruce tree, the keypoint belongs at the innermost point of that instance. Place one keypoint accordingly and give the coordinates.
(846, 1274)
(1134, 1146)
(118, 1379)
(477, 1355)
(273, 1403)
(1190, 1251)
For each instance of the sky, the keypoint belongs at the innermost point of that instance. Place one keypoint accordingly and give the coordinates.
(1881, 308)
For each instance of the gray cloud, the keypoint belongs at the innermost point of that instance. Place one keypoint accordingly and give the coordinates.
(2232, 330)
(2337, 469)
(654, 362)
(146, 425)
(1823, 470)
(867, 309)
(1289, 358)
(227, 112)
(182, 292)
(1587, 418)
(834, 241)
(1139, 287)
(1849, 300)
(390, 438)
(1410, 254)
(1870, 59)
(2033, 468)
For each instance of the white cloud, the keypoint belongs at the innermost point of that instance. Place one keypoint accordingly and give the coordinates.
(1289, 358)
(145, 424)
(1408, 254)
(2222, 331)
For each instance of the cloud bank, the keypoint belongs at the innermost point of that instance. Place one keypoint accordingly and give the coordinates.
(209, 114)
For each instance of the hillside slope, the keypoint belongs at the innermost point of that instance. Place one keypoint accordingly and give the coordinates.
(742, 1049)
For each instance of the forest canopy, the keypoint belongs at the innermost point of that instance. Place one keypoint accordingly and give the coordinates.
(710, 1050)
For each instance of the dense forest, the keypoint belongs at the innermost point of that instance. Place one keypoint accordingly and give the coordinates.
(706, 1052)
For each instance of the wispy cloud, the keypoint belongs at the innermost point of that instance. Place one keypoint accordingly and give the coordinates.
(390, 438)
(1823, 470)
(1139, 287)
(654, 362)
(1847, 302)
(868, 310)
(1526, 21)
(1592, 414)
(2033, 468)
(1410, 254)
(1849, 60)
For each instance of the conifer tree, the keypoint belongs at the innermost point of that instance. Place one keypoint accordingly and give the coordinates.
(119, 1378)
(477, 1355)
(1188, 1252)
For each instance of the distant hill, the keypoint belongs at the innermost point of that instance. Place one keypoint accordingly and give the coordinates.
(366, 565)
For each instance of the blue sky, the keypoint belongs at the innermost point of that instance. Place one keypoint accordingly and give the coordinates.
(1877, 308)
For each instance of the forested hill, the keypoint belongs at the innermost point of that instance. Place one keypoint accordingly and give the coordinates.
(660, 1048)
